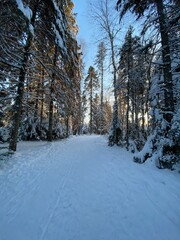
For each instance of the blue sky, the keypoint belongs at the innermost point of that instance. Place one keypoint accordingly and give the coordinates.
(88, 33)
(85, 30)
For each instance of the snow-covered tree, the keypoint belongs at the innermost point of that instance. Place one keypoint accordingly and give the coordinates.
(39, 64)
(133, 87)
(162, 145)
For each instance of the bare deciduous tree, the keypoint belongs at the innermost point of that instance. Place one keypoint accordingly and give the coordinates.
(107, 19)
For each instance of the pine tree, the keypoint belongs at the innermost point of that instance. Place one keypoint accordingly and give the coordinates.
(96, 115)
(100, 58)
(91, 85)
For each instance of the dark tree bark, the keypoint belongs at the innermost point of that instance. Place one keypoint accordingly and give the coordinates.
(42, 97)
(100, 64)
(102, 98)
(116, 135)
(51, 105)
(67, 125)
(91, 106)
(168, 83)
(37, 99)
(128, 108)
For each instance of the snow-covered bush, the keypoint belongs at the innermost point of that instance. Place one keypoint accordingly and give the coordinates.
(146, 152)
(59, 131)
(115, 135)
(85, 129)
(162, 147)
(31, 129)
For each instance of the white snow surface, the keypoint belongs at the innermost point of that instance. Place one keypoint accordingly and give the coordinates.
(81, 189)
(24, 9)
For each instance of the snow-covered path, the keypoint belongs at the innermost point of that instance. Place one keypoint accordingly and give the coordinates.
(81, 189)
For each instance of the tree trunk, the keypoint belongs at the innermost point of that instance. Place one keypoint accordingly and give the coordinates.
(37, 99)
(101, 116)
(42, 98)
(51, 105)
(67, 125)
(168, 83)
(50, 127)
(128, 93)
(136, 117)
(20, 88)
(115, 120)
(91, 106)
(143, 115)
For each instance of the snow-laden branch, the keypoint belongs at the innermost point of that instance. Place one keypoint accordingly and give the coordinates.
(24, 9)
(27, 12)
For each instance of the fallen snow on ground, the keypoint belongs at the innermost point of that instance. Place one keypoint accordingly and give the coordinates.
(81, 189)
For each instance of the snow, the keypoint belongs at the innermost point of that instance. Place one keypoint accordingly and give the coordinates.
(147, 150)
(57, 9)
(61, 26)
(59, 39)
(31, 29)
(81, 189)
(27, 12)
(24, 9)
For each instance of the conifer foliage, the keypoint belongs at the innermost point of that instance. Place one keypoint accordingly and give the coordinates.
(39, 69)
(162, 145)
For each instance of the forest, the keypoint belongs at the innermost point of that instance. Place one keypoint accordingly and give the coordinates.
(47, 94)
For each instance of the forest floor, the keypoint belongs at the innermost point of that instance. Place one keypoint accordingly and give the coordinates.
(81, 189)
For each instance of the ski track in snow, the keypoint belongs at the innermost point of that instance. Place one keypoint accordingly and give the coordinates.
(30, 185)
(81, 189)
(60, 189)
